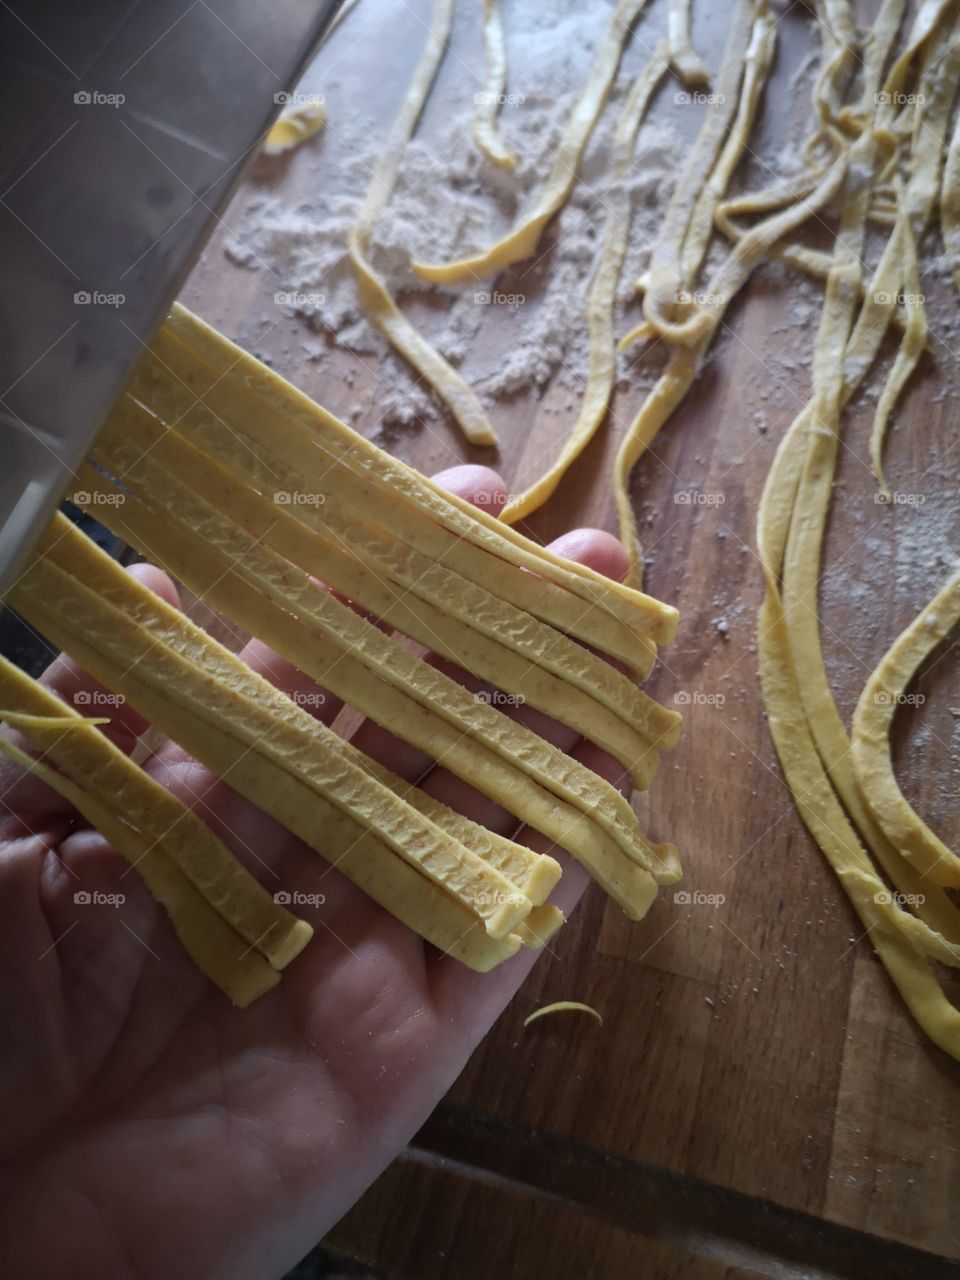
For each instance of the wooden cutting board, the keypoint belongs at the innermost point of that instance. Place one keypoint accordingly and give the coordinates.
(757, 1101)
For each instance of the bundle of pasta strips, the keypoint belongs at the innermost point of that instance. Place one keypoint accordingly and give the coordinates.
(251, 494)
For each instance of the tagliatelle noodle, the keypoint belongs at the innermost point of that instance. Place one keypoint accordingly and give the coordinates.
(870, 738)
(522, 241)
(601, 297)
(373, 290)
(487, 103)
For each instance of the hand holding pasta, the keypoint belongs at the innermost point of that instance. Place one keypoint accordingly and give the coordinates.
(129, 1067)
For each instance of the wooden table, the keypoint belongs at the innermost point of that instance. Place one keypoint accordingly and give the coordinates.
(757, 1101)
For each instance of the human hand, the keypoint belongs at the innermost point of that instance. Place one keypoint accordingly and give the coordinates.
(150, 1128)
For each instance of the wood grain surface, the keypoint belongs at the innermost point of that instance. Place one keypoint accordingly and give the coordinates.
(757, 1101)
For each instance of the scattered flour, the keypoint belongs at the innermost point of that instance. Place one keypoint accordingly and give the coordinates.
(449, 200)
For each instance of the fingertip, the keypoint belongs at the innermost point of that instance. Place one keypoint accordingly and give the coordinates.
(596, 549)
(481, 486)
(157, 581)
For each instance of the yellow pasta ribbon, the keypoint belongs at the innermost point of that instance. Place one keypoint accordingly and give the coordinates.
(522, 241)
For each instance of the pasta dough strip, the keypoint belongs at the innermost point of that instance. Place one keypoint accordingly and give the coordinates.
(912, 345)
(237, 969)
(373, 290)
(684, 59)
(77, 747)
(297, 741)
(685, 361)
(522, 241)
(554, 674)
(756, 68)
(486, 135)
(601, 297)
(665, 276)
(931, 114)
(180, 659)
(313, 439)
(353, 849)
(211, 575)
(899, 938)
(870, 738)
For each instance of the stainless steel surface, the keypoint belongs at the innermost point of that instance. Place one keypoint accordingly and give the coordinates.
(125, 126)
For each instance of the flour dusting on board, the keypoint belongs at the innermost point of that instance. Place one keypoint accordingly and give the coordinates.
(450, 200)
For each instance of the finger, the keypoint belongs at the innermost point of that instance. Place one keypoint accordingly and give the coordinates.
(481, 486)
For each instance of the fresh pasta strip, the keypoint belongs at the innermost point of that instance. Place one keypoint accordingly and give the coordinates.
(540, 926)
(756, 68)
(543, 667)
(132, 626)
(929, 17)
(750, 250)
(479, 545)
(666, 279)
(273, 726)
(374, 292)
(602, 295)
(804, 722)
(642, 332)
(685, 360)
(522, 241)
(77, 748)
(877, 43)
(295, 125)
(766, 200)
(684, 59)
(553, 674)
(912, 346)
(669, 389)
(353, 847)
(532, 873)
(830, 737)
(838, 34)
(562, 1006)
(238, 969)
(350, 846)
(438, 696)
(936, 96)
(487, 103)
(901, 954)
(870, 738)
